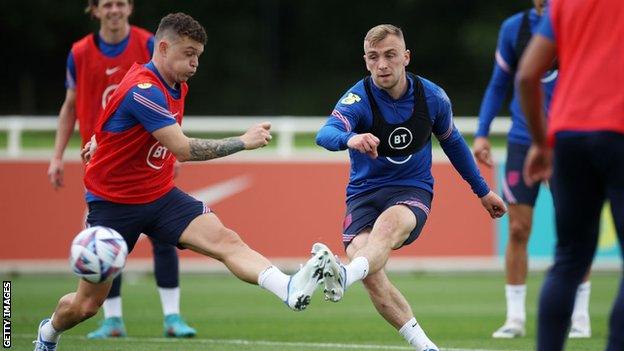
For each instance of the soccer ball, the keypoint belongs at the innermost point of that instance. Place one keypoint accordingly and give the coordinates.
(98, 254)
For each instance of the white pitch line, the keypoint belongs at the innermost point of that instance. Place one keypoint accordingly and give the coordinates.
(268, 343)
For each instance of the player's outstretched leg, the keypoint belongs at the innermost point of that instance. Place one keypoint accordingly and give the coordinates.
(207, 235)
(72, 309)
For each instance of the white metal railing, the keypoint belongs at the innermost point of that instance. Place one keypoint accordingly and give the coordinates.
(285, 127)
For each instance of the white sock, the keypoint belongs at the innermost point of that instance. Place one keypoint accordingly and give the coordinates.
(356, 270)
(112, 307)
(170, 300)
(48, 333)
(415, 336)
(274, 281)
(516, 297)
(581, 303)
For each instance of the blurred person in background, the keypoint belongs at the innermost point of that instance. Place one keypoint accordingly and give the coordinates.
(514, 35)
(95, 66)
(581, 149)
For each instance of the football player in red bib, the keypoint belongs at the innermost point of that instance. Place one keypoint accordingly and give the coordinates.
(129, 180)
(95, 66)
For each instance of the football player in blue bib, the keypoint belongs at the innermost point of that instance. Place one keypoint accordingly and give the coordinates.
(386, 121)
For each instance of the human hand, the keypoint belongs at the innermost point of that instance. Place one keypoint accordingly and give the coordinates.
(538, 165)
(88, 150)
(482, 151)
(364, 143)
(55, 173)
(257, 136)
(494, 205)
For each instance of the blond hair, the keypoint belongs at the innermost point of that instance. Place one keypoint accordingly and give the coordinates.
(94, 3)
(380, 32)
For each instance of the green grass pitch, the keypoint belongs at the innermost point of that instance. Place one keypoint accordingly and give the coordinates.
(459, 311)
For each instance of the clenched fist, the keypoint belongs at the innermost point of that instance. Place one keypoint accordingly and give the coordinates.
(257, 136)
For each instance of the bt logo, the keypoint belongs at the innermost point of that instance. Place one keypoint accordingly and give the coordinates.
(157, 156)
(400, 138)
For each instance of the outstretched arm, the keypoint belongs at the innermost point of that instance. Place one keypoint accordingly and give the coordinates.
(193, 149)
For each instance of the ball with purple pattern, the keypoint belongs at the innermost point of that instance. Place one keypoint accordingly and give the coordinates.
(98, 254)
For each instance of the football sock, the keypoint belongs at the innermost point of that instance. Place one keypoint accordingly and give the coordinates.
(274, 281)
(112, 307)
(516, 297)
(48, 333)
(356, 270)
(414, 335)
(581, 302)
(170, 300)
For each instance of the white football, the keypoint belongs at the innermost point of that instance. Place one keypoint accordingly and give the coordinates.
(98, 254)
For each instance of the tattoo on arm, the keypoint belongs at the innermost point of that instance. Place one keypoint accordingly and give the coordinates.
(207, 149)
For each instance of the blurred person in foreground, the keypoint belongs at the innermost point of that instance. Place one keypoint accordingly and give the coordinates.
(514, 35)
(386, 121)
(581, 149)
(129, 180)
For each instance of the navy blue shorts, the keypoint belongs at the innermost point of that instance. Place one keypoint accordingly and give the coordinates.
(363, 209)
(515, 190)
(164, 219)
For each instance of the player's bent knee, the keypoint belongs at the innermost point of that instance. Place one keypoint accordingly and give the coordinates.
(519, 232)
(395, 224)
(228, 237)
(227, 243)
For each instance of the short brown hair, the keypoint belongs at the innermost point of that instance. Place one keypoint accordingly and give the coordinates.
(94, 3)
(380, 32)
(182, 25)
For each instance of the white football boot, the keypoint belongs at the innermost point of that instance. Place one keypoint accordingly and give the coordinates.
(511, 329)
(334, 275)
(580, 328)
(303, 283)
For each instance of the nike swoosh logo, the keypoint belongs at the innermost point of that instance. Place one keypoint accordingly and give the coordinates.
(214, 193)
(110, 71)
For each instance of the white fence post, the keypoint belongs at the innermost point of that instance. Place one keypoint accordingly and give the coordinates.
(15, 127)
(286, 136)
